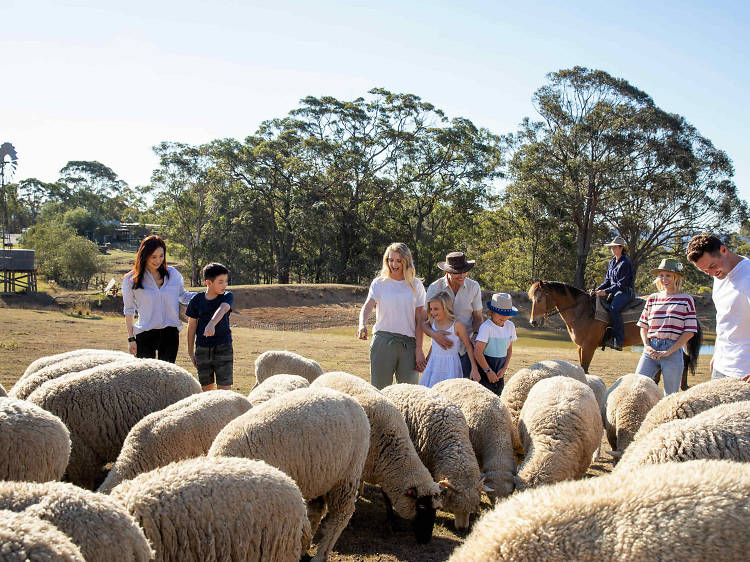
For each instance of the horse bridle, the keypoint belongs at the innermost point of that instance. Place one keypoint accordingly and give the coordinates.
(556, 309)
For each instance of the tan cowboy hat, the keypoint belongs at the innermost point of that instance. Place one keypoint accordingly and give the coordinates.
(618, 241)
(502, 303)
(673, 266)
(456, 262)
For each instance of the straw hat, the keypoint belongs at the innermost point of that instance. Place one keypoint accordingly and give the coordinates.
(502, 303)
(667, 264)
(618, 241)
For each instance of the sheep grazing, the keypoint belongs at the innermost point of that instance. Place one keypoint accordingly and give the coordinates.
(518, 386)
(320, 438)
(101, 405)
(24, 538)
(490, 431)
(260, 515)
(101, 528)
(722, 432)
(628, 402)
(273, 362)
(560, 428)
(276, 385)
(75, 364)
(392, 462)
(697, 510)
(597, 386)
(35, 443)
(695, 400)
(183, 430)
(42, 362)
(440, 435)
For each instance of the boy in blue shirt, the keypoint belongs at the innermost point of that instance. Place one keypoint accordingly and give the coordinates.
(494, 345)
(208, 327)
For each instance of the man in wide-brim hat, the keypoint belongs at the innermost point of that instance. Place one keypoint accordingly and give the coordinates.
(467, 303)
(619, 285)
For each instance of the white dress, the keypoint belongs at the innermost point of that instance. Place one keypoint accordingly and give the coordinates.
(443, 364)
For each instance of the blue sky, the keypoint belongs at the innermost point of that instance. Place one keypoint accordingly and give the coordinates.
(88, 80)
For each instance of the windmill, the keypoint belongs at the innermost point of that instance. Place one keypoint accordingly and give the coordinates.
(8, 165)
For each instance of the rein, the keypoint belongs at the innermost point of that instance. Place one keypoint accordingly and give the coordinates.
(556, 309)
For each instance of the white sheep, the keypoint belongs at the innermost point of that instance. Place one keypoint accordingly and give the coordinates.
(392, 462)
(75, 364)
(722, 432)
(42, 362)
(101, 528)
(697, 510)
(35, 443)
(320, 438)
(24, 538)
(276, 385)
(101, 405)
(695, 400)
(3, 394)
(440, 435)
(517, 388)
(275, 362)
(227, 509)
(490, 431)
(597, 386)
(560, 428)
(628, 402)
(184, 430)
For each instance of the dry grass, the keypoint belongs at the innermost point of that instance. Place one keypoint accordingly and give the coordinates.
(28, 334)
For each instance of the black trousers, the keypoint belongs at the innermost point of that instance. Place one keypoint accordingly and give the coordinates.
(165, 341)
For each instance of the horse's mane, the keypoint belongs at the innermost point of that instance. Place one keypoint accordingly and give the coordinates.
(563, 288)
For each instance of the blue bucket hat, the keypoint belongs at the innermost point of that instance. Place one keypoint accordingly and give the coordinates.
(502, 303)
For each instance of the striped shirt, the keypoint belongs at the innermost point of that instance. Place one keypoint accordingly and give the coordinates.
(668, 316)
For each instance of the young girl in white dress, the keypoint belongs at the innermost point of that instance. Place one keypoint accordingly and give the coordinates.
(443, 364)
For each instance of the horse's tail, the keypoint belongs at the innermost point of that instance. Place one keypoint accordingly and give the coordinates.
(694, 348)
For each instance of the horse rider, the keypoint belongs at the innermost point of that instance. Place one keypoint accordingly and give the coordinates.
(618, 287)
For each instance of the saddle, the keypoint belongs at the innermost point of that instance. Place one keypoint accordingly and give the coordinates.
(631, 313)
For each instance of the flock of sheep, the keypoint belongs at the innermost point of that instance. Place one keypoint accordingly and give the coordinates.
(155, 469)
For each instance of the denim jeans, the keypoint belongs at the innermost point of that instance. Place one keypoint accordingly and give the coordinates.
(619, 301)
(671, 367)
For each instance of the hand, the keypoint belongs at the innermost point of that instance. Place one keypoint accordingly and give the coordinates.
(442, 339)
(474, 375)
(711, 366)
(192, 358)
(133, 348)
(601, 293)
(209, 331)
(421, 361)
(501, 374)
(492, 377)
(473, 339)
(746, 378)
(362, 332)
(650, 351)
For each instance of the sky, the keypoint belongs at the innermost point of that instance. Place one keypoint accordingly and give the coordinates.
(107, 81)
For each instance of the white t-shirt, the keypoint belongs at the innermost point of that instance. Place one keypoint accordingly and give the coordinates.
(497, 338)
(467, 300)
(731, 297)
(396, 303)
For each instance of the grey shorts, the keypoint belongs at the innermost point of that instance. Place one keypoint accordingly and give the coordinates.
(215, 362)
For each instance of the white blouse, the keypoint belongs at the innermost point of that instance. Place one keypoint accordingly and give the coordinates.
(156, 307)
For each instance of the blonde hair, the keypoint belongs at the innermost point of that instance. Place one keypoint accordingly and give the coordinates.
(677, 281)
(445, 299)
(407, 262)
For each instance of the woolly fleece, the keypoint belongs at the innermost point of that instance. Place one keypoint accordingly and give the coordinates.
(183, 430)
(628, 402)
(276, 385)
(260, 515)
(275, 362)
(29, 539)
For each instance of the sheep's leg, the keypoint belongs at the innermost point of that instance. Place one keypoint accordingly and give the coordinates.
(315, 510)
(340, 501)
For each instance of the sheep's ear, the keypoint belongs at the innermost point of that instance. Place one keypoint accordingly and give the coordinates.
(487, 489)
(446, 485)
(411, 492)
(615, 454)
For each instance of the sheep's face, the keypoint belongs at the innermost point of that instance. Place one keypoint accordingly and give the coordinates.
(461, 520)
(424, 520)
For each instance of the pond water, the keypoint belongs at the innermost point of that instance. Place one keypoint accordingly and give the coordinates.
(705, 349)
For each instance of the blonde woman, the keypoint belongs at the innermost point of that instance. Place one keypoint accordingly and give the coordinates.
(444, 364)
(399, 296)
(667, 322)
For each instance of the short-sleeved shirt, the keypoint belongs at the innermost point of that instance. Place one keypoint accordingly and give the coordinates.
(466, 301)
(203, 310)
(667, 316)
(497, 338)
(731, 297)
(396, 305)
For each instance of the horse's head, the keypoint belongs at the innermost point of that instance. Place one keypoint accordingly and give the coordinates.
(539, 295)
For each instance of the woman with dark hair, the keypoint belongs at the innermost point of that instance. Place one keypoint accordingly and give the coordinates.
(153, 290)
(618, 287)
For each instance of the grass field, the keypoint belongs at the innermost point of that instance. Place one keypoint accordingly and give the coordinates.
(28, 334)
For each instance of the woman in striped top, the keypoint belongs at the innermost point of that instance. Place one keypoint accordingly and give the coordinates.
(667, 323)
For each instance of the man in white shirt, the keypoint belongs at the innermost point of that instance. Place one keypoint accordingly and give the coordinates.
(467, 303)
(731, 296)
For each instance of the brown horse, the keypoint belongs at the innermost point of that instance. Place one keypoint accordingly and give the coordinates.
(576, 308)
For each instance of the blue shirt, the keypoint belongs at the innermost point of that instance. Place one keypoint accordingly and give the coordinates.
(619, 275)
(203, 309)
